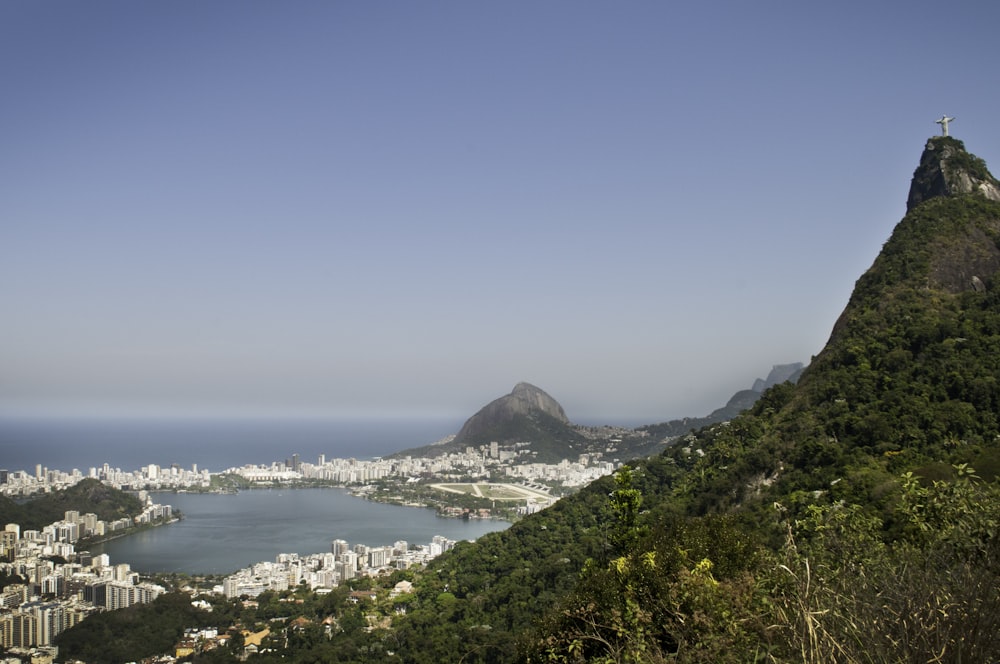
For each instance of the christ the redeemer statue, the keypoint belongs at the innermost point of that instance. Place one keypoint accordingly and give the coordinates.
(944, 124)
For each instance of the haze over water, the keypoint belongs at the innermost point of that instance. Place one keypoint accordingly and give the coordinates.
(212, 443)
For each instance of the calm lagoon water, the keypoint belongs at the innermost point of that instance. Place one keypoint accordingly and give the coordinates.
(224, 533)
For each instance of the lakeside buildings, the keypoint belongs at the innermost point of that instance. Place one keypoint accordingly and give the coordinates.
(62, 586)
(20, 483)
(510, 462)
(323, 571)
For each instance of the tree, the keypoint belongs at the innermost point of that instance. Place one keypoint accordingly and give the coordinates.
(659, 599)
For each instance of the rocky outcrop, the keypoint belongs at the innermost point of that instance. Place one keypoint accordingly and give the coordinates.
(524, 401)
(780, 373)
(946, 169)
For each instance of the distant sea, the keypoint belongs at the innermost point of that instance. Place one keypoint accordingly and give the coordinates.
(212, 443)
(222, 533)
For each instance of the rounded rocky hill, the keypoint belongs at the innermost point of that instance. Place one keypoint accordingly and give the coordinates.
(524, 401)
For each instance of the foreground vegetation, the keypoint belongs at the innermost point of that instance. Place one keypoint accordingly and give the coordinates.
(659, 587)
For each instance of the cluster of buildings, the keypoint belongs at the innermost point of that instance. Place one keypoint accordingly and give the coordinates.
(195, 639)
(566, 472)
(493, 461)
(20, 483)
(56, 586)
(328, 570)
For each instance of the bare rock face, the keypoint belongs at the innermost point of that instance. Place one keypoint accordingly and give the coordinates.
(528, 397)
(525, 401)
(779, 374)
(946, 169)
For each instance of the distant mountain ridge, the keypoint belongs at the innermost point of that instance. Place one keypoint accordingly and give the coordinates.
(528, 414)
(739, 402)
(780, 373)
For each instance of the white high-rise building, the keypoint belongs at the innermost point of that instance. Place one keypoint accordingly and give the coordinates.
(326, 578)
(351, 559)
(89, 521)
(379, 556)
(231, 587)
(346, 570)
(52, 584)
(18, 630)
(119, 595)
(144, 593)
(48, 622)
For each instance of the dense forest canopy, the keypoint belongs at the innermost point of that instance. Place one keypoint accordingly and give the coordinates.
(87, 496)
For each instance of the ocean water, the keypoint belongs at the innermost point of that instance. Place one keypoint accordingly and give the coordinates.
(211, 443)
(223, 533)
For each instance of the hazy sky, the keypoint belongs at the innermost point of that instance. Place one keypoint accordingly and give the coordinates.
(399, 208)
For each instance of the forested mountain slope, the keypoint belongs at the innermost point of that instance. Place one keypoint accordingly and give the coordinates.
(712, 551)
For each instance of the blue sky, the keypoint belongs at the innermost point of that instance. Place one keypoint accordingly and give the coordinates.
(404, 208)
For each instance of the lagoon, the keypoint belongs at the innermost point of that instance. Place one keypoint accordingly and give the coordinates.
(221, 533)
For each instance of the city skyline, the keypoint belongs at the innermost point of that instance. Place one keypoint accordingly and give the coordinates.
(345, 209)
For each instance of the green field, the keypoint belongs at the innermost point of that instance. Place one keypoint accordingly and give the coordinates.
(496, 491)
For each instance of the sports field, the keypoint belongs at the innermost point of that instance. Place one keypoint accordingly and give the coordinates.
(496, 491)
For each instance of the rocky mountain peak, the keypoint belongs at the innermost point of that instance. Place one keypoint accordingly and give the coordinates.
(512, 413)
(530, 397)
(946, 169)
(779, 374)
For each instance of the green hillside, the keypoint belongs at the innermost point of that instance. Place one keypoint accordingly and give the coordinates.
(793, 532)
(86, 496)
(908, 380)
